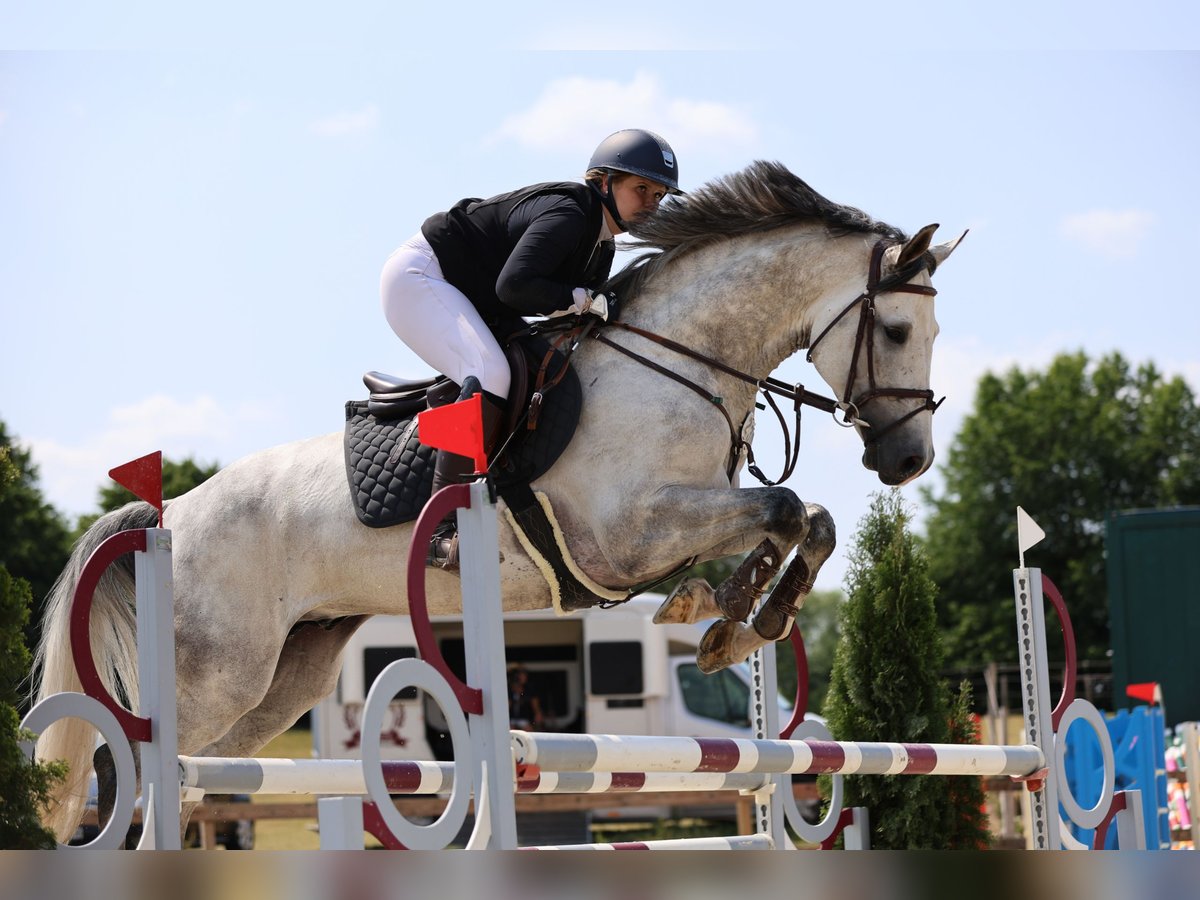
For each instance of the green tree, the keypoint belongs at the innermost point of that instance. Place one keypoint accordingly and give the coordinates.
(1069, 445)
(177, 478)
(818, 621)
(969, 830)
(34, 537)
(24, 787)
(886, 686)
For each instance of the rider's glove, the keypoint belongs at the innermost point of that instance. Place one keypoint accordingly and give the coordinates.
(587, 303)
(608, 306)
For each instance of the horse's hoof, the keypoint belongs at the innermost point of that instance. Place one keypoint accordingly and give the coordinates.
(737, 594)
(684, 602)
(714, 652)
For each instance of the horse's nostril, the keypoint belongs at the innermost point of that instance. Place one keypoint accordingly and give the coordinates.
(913, 466)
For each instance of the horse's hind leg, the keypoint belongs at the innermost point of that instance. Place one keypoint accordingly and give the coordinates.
(306, 671)
(693, 600)
(728, 642)
(305, 674)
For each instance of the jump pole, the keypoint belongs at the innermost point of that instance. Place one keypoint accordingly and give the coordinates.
(337, 777)
(611, 753)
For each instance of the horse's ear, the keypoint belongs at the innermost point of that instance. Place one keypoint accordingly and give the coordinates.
(916, 245)
(941, 251)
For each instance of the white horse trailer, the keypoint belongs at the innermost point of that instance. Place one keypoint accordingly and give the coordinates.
(598, 671)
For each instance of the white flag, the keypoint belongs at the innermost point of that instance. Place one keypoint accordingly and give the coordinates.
(1028, 533)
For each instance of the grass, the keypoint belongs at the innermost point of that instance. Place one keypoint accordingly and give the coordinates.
(286, 834)
(615, 832)
(289, 834)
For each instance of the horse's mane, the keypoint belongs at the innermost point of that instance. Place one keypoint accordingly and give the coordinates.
(763, 196)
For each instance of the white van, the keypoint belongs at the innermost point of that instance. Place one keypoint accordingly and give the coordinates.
(599, 671)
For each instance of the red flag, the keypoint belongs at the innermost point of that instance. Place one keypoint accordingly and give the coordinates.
(143, 477)
(457, 428)
(1146, 691)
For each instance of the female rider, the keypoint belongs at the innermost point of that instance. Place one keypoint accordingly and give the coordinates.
(474, 270)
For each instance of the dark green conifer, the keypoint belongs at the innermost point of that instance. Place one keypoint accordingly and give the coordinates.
(887, 685)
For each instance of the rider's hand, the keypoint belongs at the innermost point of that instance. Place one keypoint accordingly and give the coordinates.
(587, 303)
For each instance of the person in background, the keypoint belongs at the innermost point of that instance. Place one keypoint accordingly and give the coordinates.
(524, 708)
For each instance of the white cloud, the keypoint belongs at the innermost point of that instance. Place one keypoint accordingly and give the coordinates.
(71, 474)
(1117, 234)
(346, 123)
(571, 112)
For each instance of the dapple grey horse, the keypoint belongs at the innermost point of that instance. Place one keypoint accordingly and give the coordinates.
(273, 572)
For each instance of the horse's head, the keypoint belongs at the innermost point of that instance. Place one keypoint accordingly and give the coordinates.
(871, 338)
(876, 352)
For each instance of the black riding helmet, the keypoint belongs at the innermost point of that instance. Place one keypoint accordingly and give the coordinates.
(636, 152)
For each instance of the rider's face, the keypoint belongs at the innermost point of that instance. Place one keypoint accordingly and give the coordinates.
(635, 196)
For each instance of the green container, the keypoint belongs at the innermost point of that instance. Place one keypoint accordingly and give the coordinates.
(1153, 560)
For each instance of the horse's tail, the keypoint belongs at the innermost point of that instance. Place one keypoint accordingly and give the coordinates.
(114, 647)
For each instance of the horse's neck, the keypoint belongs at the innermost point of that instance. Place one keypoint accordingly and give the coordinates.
(751, 302)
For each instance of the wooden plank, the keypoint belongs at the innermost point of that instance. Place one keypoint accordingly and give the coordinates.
(433, 806)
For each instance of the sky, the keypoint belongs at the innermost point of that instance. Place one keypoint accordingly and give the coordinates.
(195, 205)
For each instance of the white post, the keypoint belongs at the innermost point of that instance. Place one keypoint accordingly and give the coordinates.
(1191, 760)
(483, 639)
(768, 814)
(1131, 824)
(857, 835)
(340, 822)
(156, 675)
(1035, 702)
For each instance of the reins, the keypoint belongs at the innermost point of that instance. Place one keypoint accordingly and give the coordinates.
(799, 396)
(849, 405)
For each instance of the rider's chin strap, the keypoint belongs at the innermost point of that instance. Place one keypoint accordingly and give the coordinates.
(610, 203)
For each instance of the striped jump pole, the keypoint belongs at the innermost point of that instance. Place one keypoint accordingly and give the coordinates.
(338, 777)
(614, 753)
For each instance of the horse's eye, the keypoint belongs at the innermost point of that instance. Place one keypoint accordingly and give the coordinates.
(897, 334)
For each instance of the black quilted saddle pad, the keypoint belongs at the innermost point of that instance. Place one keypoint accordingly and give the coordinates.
(390, 472)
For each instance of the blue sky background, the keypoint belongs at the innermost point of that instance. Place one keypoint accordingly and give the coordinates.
(195, 206)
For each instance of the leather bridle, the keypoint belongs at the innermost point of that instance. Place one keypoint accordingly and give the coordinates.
(896, 283)
(849, 405)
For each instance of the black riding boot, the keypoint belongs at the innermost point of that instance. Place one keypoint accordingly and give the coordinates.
(451, 468)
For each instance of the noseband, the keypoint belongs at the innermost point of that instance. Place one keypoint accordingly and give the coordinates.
(895, 283)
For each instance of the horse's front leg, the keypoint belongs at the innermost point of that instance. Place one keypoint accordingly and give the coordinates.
(694, 599)
(729, 642)
(690, 522)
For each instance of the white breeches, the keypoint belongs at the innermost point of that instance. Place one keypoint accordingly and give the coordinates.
(437, 321)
